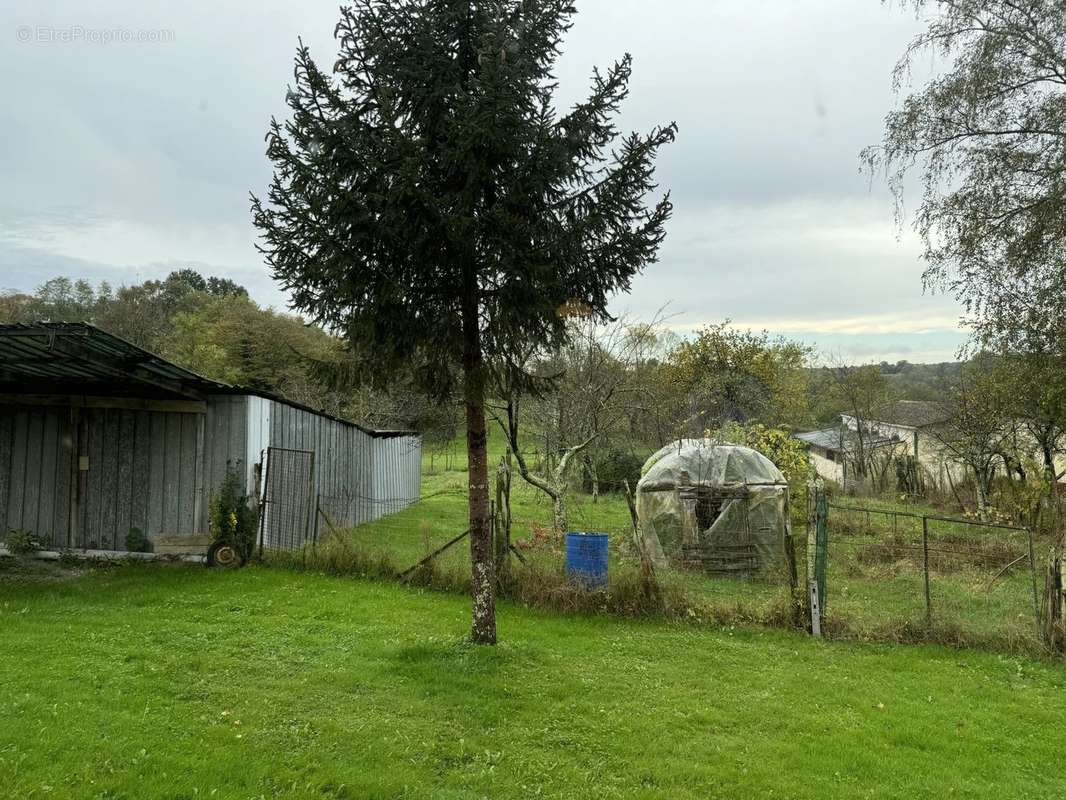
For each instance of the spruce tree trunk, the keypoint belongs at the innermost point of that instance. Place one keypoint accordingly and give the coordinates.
(482, 572)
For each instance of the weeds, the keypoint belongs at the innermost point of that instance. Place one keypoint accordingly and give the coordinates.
(979, 592)
(22, 542)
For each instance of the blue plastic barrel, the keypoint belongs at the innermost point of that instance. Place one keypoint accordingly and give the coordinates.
(586, 558)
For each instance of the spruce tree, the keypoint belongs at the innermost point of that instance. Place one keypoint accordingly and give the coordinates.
(431, 204)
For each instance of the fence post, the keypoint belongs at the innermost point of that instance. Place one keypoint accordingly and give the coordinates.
(502, 517)
(816, 611)
(1032, 577)
(1054, 632)
(925, 569)
(817, 558)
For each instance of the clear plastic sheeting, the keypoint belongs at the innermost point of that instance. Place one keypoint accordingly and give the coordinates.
(714, 507)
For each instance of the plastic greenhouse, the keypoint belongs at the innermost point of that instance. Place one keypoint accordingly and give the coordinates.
(716, 507)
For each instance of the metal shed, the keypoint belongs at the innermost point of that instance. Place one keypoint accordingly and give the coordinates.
(98, 436)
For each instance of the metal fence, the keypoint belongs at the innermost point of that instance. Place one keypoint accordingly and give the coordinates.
(911, 575)
(287, 511)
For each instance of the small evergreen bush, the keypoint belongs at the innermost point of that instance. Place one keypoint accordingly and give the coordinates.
(137, 542)
(231, 517)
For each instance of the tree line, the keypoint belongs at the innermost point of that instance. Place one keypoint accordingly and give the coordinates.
(211, 326)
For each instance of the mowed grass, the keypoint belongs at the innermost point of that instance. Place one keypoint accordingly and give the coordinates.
(442, 514)
(179, 682)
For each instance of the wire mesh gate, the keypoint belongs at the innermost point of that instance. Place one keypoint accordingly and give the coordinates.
(288, 506)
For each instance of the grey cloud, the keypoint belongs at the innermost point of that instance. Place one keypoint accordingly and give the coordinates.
(161, 143)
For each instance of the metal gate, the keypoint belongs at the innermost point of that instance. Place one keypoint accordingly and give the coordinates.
(287, 519)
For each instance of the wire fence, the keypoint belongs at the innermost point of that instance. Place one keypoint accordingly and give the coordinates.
(889, 574)
(907, 575)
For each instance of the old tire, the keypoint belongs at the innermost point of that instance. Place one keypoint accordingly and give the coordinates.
(224, 555)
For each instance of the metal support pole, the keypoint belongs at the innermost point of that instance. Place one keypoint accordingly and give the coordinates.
(1036, 593)
(925, 564)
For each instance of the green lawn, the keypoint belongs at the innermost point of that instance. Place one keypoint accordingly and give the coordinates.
(179, 682)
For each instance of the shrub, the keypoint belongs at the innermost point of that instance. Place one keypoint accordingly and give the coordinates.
(231, 517)
(21, 542)
(788, 454)
(137, 542)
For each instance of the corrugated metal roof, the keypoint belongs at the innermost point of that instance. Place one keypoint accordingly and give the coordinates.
(829, 439)
(70, 352)
(838, 439)
(77, 354)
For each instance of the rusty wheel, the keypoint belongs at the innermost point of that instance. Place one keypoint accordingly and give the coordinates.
(225, 555)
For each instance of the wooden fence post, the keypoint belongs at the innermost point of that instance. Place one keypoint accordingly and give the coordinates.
(501, 518)
(817, 558)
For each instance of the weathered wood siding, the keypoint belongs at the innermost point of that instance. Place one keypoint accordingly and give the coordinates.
(225, 445)
(141, 474)
(35, 466)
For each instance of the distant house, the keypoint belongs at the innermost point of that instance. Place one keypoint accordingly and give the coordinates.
(900, 428)
(832, 450)
(915, 428)
(913, 422)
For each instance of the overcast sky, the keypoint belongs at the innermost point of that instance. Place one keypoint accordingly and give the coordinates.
(123, 160)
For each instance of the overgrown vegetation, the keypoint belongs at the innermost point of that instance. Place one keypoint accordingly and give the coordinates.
(231, 516)
(20, 542)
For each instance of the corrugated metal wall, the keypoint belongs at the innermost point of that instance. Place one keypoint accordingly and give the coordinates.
(342, 464)
(397, 473)
(358, 477)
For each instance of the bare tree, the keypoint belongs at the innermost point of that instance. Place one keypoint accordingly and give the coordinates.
(597, 381)
(980, 430)
(858, 392)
